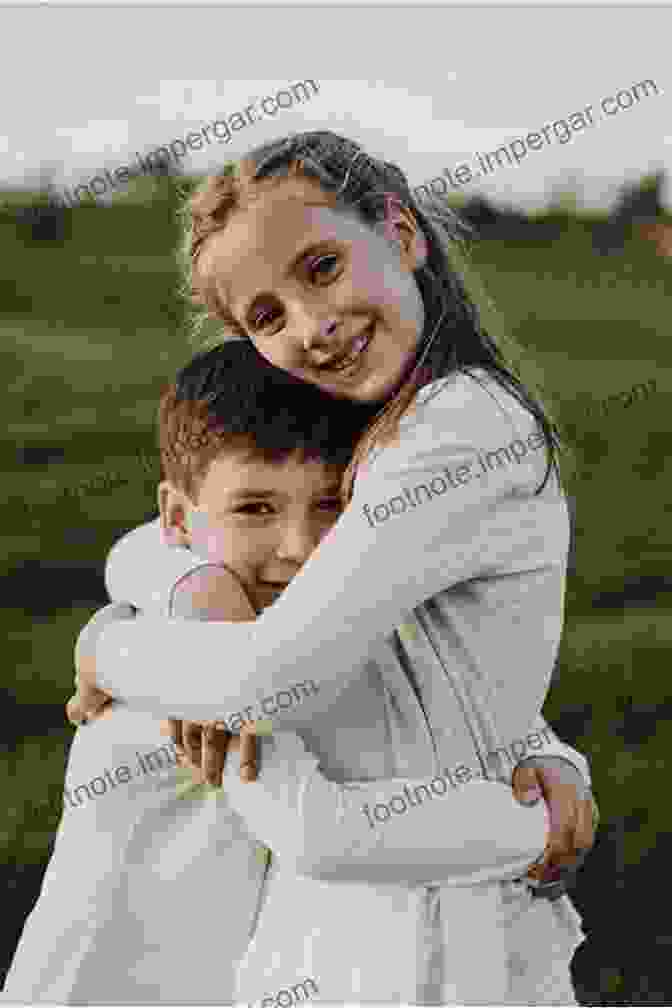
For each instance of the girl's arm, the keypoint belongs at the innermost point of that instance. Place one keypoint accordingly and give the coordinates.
(368, 571)
(571, 765)
(399, 831)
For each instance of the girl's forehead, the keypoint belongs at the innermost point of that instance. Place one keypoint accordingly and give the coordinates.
(262, 239)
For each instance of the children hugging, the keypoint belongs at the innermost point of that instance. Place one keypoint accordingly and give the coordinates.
(360, 365)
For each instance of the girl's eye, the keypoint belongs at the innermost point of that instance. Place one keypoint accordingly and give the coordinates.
(261, 320)
(323, 266)
(315, 265)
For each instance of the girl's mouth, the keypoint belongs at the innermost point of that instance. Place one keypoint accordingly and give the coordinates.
(348, 365)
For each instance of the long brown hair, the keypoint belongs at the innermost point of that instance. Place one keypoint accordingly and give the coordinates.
(454, 338)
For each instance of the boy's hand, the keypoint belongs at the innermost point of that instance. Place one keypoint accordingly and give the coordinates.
(202, 746)
(88, 702)
(572, 820)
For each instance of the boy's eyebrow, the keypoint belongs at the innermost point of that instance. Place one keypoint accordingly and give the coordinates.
(331, 488)
(251, 493)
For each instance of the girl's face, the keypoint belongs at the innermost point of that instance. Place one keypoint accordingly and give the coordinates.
(320, 294)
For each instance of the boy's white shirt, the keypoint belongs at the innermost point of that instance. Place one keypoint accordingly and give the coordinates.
(126, 910)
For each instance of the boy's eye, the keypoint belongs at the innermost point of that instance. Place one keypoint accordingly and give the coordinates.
(331, 504)
(252, 508)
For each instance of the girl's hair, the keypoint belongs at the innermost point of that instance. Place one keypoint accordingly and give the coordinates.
(231, 399)
(453, 340)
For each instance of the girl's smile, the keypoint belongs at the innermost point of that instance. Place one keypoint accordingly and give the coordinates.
(348, 362)
(320, 294)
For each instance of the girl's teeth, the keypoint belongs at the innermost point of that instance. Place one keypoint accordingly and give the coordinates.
(357, 347)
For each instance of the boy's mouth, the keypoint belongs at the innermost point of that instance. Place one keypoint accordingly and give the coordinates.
(267, 592)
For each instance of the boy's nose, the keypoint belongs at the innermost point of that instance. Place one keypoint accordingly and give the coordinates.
(297, 542)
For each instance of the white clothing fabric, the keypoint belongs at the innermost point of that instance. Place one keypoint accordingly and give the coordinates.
(475, 586)
(480, 565)
(370, 942)
(133, 865)
(126, 912)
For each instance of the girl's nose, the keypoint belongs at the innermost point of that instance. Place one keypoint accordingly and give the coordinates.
(320, 334)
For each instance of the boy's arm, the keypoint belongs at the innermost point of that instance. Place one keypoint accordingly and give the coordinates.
(88, 698)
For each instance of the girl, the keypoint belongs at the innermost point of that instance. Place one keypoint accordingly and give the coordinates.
(320, 256)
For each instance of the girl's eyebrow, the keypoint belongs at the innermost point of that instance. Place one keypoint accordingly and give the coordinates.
(311, 246)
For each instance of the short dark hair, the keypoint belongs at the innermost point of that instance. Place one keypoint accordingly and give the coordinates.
(230, 398)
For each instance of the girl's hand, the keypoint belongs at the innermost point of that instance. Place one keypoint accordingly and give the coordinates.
(88, 702)
(572, 827)
(202, 746)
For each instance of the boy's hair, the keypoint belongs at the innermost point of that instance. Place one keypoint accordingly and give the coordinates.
(454, 338)
(231, 399)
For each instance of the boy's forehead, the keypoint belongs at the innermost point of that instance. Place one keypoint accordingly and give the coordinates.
(246, 469)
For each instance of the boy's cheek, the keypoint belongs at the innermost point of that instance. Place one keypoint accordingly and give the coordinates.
(209, 541)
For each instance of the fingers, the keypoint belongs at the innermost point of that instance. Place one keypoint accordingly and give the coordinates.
(74, 711)
(572, 828)
(563, 814)
(248, 752)
(203, 747)
(167, 728)
(566, 827)
(585, 832)
(215, 743)
(191, 742)
(173, 728)
(526, 786)
(87, 702)
(189, 749)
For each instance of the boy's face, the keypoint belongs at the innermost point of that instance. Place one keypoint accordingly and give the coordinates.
(260, 519)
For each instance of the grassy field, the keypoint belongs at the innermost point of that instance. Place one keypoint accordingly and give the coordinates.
(91, 331)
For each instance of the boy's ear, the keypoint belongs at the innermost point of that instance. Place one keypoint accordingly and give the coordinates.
(173, 518)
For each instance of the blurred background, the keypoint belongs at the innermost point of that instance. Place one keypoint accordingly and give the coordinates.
(580, 272)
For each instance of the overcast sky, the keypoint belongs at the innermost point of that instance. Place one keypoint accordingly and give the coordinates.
(83, 89)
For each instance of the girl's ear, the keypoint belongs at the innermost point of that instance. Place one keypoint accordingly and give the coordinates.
(173, 516)
(400, 227)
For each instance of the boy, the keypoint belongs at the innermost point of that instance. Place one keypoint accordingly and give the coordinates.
(233, 445)
(136, 843)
